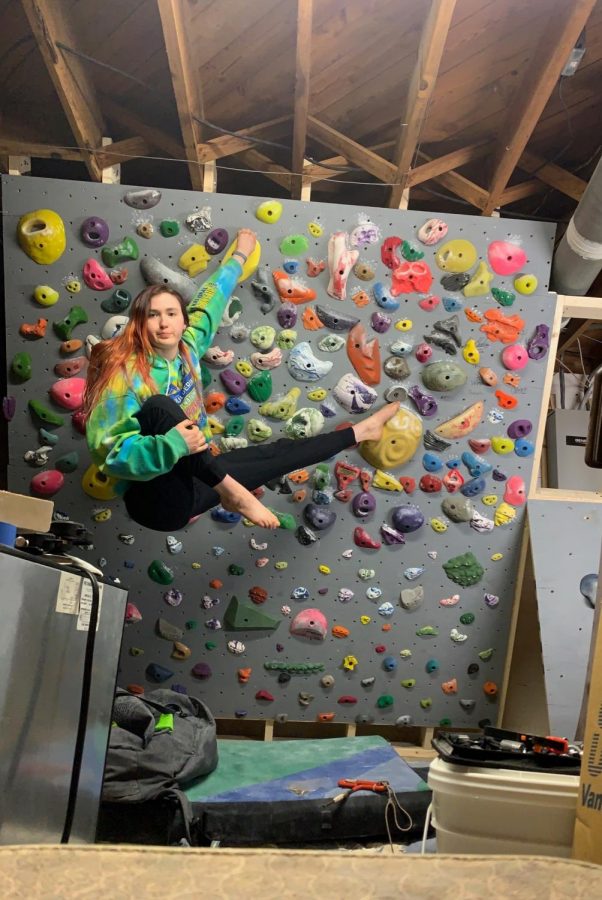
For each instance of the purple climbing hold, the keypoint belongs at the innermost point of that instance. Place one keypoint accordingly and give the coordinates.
(391, 536)
(233, 381)
(216, 241)
(9, 407)
(179, 688)
(173, 597)
(539, 344)
(491, 600)
(498, 475)
(94, 231)
(201, 670)
(425, 404)
(380, 322)
(407, 518)
(519, 429)
(319, 517)
(363, 504)
(287, 315)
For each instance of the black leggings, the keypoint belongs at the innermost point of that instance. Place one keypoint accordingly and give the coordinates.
(168, 502)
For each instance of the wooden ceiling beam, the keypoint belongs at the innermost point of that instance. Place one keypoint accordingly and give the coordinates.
(459, 185)
(120, 151)
(17, 147)
(229, 144)
(447, 163)
(187, 91)
(155, 137)
(259, 162)
(517, 192)
(302, 77)
(531, 97)
(352, 151)
(50, 27)
(553, 175)
(574, 330)
(422, 84)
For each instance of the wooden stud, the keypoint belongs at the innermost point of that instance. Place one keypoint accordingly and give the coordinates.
(15, 165)
(75, 90)
(229, 144)
(551, 174)
(460, 186)
(532, 95)
(302, 77)
(422, 84)
(210, 177)
(404, 200)
(185, 83)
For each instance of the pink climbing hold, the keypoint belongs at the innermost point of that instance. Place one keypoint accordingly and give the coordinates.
(95, 276)
(453, 480)
(79, 421)
(310, 623)
(479, 445)
(48, 483)
(68, 392)
(506, 258)
(341, 260)
(429, 303)
(132, 614)
(515, 492)
(515, 357)
(388, 252)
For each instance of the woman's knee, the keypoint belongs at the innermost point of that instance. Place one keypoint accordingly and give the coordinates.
(158, 414)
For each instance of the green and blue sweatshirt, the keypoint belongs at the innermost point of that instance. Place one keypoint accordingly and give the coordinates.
(112, 429)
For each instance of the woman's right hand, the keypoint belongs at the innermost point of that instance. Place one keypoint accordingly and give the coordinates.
(192, 434)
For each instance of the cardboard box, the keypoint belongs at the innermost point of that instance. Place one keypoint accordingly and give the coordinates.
(27, 513)
(587, 842)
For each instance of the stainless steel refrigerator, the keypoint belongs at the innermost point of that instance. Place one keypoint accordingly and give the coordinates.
(44, 617)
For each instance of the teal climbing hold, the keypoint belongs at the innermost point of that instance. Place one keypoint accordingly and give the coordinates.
(160, 573)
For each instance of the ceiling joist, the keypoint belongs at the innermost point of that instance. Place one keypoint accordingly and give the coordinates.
(352, 151)
(258, 162)
(421, 87)
(552, 175)
(302, 76)
(535, 91)
(185, 85)
(229, 144)
(155, 137)
(74, 88)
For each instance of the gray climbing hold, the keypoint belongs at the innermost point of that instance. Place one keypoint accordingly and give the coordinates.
(168, 631)
(366, 682)
(458, 508)
(155, 272)
(145, 198)
(412, 598)
(468, 705)
(319, 517)
(443, 376)
(589, 588)
(335, 319)
(396, 367)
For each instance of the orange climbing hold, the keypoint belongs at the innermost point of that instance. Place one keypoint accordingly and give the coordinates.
(35, 331)
(216, 584)
(299, 496)
(505, 400)
(339, 631)
(325, 717)
(473, 315)
(502, 328)
(311, 320)
(450, 687)
(299, 477)
(291, 289)
(511, 379)
(360, 298)
(214, 401)
(490, 688)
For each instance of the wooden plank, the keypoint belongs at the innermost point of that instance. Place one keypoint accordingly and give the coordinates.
(185, 83)
(258, 162)
(551, 174)
(71, 82)
(302, 78)
(534, 92)
(460, 186)
(23, 147)
(421, 87)
(120, 151)
(354, 152)
(573, 331)
(228, 144)
(154, 136)
(520, 191)
(455, 159)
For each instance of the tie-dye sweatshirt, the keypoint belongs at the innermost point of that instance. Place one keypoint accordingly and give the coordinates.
(112, 429)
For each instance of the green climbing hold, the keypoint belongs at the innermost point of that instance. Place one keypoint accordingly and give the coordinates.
(160, 573)
(20, 366)
(467, 618)
(136, 651)
(464, 570)
(118, 302)
(45, 414)
(169, 228)
(426, 702)
(258, 431)
(206, 375)
(241, 616)
(504, 298)
(293, 668)
(408, 682)
(118, 253)
(293, 245)
(210, 645)
(48, 437)
(384, 701)
(235, 426)
(486, 654)
(233, 569)
(68, 462)
(260, 387)
(191, 624)
(445, 722)
(427, 631)
(322, 476)
(410, 252)
(75, 316)
(286, 520)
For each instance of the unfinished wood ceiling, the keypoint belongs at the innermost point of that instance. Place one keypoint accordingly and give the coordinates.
(461, 101)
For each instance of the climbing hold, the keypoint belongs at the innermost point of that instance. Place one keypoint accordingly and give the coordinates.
(456, 256)
(41, 235)
(411, 598)
(450, 687)
(349, 663)
(400, 348)
(505, 257)
(304, 366)
(464, 570)
(432, 462)
(407, 518)
(471, 353)
(364, 355)
(159, 572)
(458, 509)
(20, 366)
(118, 302)
(404, 325)
(502, 328)
(453, 481)
(467, 618)
(443, 376)
(386, 609)
(504, 514)
(384, 701)
(479, 284)
(194, 260)
(515, 357)
(391, 536)
(429, 303)
(450, 601)
(45, 295)
(423, 352)
(427, 631)
(383, 297)
(506, 401)
(452, 304)
(47, 483)
(145, 230)
(539, 344)
(473, 487)
(433, 231)
(411, 276)
(475, 464)
(438, 339)
(68, 392)
(457, 636)
(363, 505)
(314, 267)
(490, 688)
(121, 252)
(515, 491)
(430, 484)
(526, 284)
(462, 424)
(362, 539)
(269, 211)
(523, 447)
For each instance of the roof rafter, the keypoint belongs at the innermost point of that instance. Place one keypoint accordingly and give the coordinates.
(302, 76)
(422, 84)
(351, 150)
(229, 144)
(535, 91)
(261, 163)
(51, 27)
(551, 174)
(185, 85)
(155, 137)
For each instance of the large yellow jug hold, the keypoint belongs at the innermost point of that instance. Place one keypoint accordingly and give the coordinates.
(98, 485)
(400, 440)
(458, 255)
(41, 234)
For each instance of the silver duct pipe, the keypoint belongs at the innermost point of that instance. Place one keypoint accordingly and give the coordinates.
(578, 257)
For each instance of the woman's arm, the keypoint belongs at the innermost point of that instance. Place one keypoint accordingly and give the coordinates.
(206, 309)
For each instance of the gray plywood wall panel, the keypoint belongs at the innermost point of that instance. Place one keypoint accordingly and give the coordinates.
(425, 702)
(565, 546)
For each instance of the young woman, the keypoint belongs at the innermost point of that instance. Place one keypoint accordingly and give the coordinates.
(147, 425)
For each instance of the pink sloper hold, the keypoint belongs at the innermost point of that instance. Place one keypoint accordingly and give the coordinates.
(68, 392)
(341, 260)
(515, 491)
(506, 258)
(95, 276)
(47, 483)
(310, 623)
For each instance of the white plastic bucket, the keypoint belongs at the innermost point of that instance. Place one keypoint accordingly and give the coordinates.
(478, 810)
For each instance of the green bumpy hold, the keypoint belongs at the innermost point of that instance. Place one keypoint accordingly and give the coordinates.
(20, 366)
(233, 569)
(293, 668)
(118, 253)
(504, 298)
(464, 570)
(159, 572)
(260, 387)
(75, 316)
(384, 701)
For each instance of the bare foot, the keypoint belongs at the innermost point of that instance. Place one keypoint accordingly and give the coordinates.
(246, 239)
(371, 428)
(236, 498)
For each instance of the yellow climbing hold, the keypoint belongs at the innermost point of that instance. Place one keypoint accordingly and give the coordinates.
(194, 260)
(525, 284)
(349, 663)
(45, 296)
(315, 229)
(471, 353)
(502, 445)
(504, 514)
(41, 235)
(244, 368)
(282, 408)
(325, 570)
(98, 485)
(250, 265)
(497, 556)
(438, 525)
(403, 324)
(479, 283)
(196, 565)
(102, 515)
(281, 565)
(490, 499)
(400, 439)
(456, 256)
(386, 482)
(365, 620)
(215, 425)
(318, 394)
(269, 211)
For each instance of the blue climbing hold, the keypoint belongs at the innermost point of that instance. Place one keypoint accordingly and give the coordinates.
(155, 672)
(383, 298)
(236, 406)
(452, 304)
(475, 464)
(219, 514)
(473, 487)
(453, 463)
(389, 663)
(291, 266)
(432, 665)
(431, 462)
(523, 447)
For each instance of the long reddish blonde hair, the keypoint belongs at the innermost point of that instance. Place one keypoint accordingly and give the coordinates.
(129, 353)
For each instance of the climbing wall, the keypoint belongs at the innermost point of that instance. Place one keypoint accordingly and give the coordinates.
(389, 599)
(565, 545)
